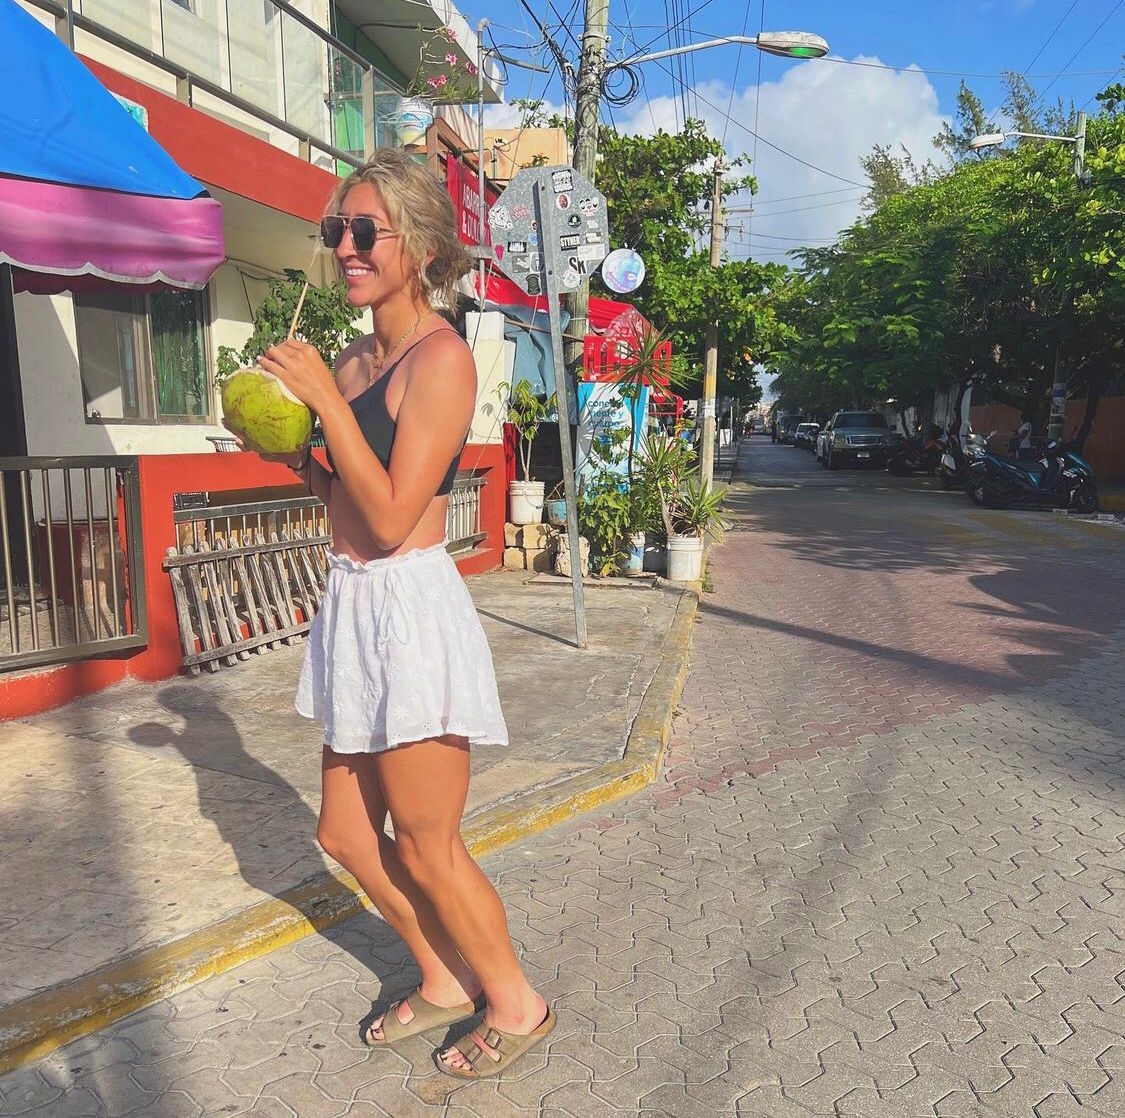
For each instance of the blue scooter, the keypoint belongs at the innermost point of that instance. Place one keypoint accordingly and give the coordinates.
(1059, 480)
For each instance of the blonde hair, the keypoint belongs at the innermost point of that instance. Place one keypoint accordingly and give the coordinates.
(421, 211)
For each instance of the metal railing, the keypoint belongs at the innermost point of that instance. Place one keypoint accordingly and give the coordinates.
(72, 579)
(242, 523)
(266, 59)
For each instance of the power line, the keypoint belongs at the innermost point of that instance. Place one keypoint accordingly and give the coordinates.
(734, 80)
(1109, 15)
(1046, 42)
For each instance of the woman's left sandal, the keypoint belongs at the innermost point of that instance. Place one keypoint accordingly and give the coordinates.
(509, 1047)
(426, 1016)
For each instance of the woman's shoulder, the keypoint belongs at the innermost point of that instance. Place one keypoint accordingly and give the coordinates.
(350, 362)
(442, 350)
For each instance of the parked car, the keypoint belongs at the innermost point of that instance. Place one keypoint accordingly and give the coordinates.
(787, 428)
(805, 435)
(855, 438)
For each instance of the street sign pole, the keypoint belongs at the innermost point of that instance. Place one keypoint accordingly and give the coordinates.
(543, 199)
(549, 229)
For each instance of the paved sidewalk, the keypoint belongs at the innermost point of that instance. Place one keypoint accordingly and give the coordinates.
(145, 813)
(885, 875)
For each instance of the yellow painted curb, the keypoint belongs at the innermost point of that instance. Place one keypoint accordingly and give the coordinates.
(36, 1026)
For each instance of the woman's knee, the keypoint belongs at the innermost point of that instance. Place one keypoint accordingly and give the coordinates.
(348, 844)
(429, 858)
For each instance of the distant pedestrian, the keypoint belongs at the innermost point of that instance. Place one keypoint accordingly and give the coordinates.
(1023, 439)
(397, 667)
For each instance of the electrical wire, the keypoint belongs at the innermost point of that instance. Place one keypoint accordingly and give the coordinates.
(734, 80)
(1046, 42)
(1090, 38)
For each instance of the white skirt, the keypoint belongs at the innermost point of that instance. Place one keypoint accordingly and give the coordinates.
(397, 654)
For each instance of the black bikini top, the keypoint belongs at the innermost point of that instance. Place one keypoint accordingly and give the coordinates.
(370, 410)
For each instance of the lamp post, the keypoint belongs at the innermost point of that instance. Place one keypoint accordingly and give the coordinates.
(783, 44)
(994, 139)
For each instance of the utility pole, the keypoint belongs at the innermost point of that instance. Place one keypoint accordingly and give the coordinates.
(1062, 364)
(591, 70)
(711, 360)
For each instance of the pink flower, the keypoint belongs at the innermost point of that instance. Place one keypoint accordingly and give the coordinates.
(451, 59)
(437, 82)
(470, 69)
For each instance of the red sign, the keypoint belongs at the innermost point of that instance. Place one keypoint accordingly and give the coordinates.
(461, 183)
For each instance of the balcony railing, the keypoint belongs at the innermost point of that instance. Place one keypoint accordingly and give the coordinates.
(263, 58)
(71, 573)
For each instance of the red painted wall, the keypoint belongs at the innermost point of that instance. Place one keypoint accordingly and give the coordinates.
(162, 475)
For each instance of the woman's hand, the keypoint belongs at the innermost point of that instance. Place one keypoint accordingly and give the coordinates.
(293, 461)
(302, 370)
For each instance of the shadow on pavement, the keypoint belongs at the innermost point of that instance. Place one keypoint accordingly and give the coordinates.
(209, 741)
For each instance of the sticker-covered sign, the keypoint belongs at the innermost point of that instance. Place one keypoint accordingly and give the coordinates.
(554, 229)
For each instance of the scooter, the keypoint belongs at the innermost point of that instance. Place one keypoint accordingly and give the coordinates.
(1059, 480)
(914, 455)
(953, 468)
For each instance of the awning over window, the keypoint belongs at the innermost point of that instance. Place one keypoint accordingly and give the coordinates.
(87, 196)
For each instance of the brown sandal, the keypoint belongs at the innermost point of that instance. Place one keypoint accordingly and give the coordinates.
(509, 1046)
(426, 1016)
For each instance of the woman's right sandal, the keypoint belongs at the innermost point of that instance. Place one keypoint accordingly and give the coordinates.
(426, 1016)
(508, 1046)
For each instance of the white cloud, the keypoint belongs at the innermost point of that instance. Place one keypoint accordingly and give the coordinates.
(827, 114)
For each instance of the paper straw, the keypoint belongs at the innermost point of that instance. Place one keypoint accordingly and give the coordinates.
(304, 292)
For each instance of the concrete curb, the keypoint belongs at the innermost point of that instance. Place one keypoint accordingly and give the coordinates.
(36, 1026)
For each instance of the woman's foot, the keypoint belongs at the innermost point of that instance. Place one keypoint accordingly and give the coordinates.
(433, 1007)
(459, 1058)
(488, 1051)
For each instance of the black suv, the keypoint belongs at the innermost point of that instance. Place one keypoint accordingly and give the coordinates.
(853, 438)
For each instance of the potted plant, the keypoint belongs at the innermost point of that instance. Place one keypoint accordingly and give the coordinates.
(555, 504)
(687, 511)
(604, 508)
(525, 411)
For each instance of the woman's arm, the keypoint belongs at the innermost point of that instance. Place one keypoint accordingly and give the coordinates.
(435, 413)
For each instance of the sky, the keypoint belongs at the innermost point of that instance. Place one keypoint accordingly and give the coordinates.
(891, 78)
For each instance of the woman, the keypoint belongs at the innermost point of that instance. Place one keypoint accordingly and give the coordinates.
(397, 667)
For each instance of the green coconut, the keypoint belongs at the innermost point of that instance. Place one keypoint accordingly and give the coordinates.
(265, 413)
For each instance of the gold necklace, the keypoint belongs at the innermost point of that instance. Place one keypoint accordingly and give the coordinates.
(377, 363)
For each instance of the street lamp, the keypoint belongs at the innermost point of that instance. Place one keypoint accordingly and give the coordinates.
(994, 139)
(784, 44)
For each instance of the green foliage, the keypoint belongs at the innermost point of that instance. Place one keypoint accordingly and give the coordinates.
(983, 275)
(525, 411)
(327, 322)
(605, 513)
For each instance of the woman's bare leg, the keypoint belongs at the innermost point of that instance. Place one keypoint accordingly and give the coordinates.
(424, 786)
(352, 817)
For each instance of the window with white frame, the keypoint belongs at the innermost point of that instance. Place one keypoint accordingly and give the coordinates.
(143, 357)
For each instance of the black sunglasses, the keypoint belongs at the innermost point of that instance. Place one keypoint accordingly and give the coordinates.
(365, 232)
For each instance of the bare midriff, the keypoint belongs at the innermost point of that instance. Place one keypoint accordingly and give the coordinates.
(352, 537)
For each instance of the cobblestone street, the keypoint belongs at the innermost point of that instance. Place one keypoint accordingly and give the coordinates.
(883, 874)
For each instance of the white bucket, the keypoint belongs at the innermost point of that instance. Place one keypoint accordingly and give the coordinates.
(685, 558)
(526, 500)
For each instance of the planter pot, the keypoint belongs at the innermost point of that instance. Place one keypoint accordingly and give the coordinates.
(634, 561)
(656, 554)
(526, 500)
(685, 558)
(556, 513)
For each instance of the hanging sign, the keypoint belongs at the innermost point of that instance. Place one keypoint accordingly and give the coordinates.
(623, 271)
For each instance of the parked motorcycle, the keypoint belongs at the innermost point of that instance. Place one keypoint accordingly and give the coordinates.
(914, 455)
(953, 468)
(1059, 480)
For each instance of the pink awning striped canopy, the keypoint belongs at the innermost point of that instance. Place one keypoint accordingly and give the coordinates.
(87, 196)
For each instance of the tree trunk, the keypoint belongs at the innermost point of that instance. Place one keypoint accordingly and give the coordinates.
(1093, 396)
(954, 427)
